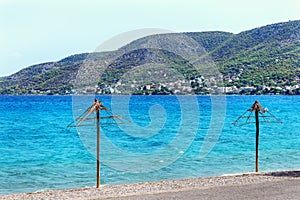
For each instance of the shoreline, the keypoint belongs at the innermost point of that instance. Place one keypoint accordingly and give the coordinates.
(170, 187)
(71, 95)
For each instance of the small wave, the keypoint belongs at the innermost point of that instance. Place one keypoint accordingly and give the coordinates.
(238, 174)
(42, 190)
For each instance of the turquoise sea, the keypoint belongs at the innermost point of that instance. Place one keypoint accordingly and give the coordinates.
(169, 137)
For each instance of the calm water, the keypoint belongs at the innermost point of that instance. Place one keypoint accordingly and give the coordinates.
(169, 138)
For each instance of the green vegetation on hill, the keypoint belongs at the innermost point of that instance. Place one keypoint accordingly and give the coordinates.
(259, 61)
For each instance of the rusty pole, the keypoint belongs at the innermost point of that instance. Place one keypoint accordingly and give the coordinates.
(256, 107)
(257, 138)
(98, 147)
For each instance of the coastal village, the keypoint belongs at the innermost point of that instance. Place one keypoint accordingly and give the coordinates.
(214, 85)
(199, 86)
(229, 84)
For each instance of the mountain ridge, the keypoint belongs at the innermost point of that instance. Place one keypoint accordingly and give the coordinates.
(263, 57)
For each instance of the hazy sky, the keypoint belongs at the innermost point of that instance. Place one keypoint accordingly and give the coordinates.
(35, 31)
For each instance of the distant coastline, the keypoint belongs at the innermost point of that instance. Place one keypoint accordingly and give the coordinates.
(252, 94)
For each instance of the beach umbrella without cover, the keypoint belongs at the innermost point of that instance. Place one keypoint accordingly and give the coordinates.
(253, 115)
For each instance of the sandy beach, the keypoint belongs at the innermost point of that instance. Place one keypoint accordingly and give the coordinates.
(269, 185)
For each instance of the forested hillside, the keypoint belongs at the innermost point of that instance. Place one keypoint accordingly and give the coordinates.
(264, 60)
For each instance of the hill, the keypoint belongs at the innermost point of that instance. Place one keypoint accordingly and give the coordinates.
(259, 61)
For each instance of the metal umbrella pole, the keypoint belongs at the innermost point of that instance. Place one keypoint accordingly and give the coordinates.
(98, 148)
(256, 104)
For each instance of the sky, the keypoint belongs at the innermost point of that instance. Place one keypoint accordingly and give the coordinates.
(35, 31)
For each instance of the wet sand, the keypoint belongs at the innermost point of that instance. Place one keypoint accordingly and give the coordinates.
(270, 185)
